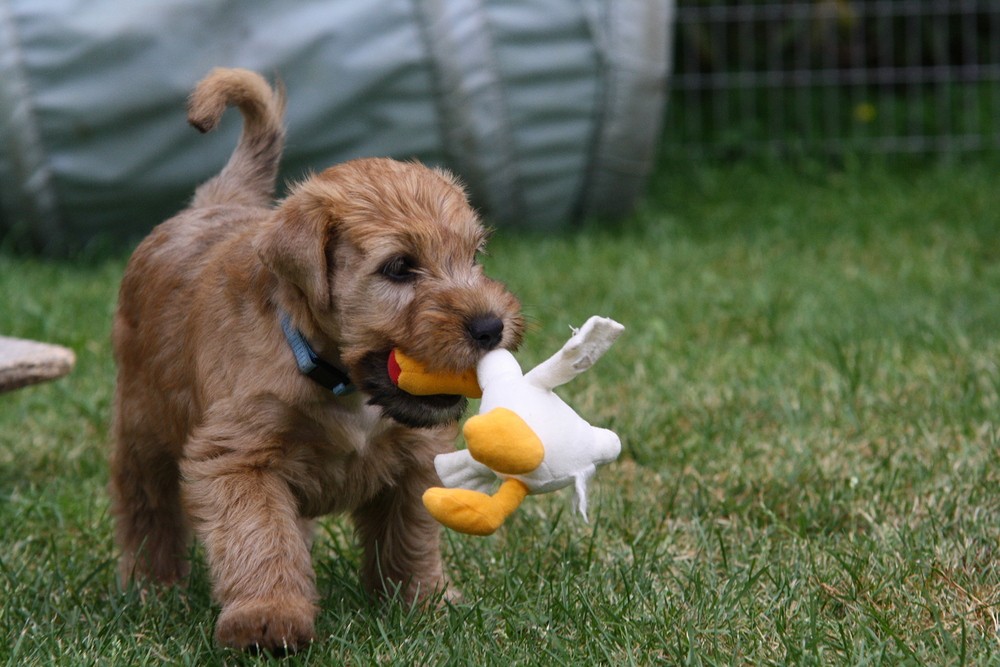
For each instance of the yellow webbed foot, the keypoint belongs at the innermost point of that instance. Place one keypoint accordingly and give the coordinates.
(503, 441)
(413, 377)
(472, 512)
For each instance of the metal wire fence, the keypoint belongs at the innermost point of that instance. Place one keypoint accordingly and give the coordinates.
(833, 75)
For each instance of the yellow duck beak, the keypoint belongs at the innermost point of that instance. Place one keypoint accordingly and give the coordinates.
(413, 377)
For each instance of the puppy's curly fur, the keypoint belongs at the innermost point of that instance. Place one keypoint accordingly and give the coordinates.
(216, 430)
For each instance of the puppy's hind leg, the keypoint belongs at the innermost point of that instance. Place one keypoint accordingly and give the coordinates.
(401, 542)
(150, 527)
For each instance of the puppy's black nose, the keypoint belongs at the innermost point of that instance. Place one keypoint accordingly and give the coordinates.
(485, 330)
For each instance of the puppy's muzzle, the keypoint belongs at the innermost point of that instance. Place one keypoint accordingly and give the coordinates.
(484, 333)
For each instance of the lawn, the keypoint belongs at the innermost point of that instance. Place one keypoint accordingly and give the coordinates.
(808, 393)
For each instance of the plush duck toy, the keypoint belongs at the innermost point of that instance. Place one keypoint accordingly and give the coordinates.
(524, 436)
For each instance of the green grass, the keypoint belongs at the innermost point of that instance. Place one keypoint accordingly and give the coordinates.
(821, 118)
(808, 392)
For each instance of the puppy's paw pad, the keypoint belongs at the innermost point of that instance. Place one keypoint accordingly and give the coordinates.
(277, 627)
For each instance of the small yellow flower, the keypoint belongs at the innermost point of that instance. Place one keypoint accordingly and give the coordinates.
(865, 112)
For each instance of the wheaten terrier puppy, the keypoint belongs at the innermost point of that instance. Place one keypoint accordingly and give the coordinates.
(253, 394)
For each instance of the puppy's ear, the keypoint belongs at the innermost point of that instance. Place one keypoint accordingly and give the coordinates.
(294, 244)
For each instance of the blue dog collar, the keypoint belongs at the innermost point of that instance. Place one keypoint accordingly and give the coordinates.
(311, 364)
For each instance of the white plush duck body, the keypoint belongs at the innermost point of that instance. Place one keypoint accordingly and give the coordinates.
(525, 436)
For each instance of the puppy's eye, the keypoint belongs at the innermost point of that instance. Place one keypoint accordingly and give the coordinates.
(400, 269)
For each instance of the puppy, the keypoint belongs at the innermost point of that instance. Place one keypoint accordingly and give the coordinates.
(253, 396)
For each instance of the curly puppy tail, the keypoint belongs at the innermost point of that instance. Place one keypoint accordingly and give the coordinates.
(249, 176)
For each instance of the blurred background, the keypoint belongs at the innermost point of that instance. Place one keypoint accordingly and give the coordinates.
(552, 111)
(899, 76)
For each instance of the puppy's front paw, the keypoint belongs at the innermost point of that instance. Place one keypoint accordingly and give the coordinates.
(276, 626)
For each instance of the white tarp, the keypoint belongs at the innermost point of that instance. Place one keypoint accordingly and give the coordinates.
(550, 110)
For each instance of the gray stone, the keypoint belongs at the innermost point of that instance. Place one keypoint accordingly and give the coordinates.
(26, 362)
